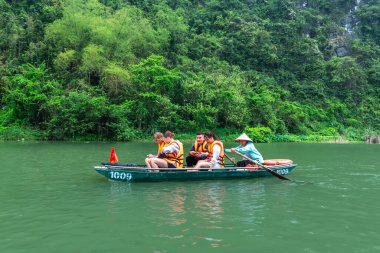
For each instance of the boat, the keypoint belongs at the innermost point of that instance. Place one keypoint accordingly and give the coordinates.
(139, 173)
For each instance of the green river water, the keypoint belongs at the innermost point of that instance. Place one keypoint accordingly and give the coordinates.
(52, 200)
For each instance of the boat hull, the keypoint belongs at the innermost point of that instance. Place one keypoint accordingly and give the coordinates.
(134, 174)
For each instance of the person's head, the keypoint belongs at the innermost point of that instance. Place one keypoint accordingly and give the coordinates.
(158, 137)
(243, 143)
(168, 137)
(243, 139)
(200, 138)
(209, 137)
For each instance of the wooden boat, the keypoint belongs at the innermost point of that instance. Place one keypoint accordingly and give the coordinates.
(138, 173)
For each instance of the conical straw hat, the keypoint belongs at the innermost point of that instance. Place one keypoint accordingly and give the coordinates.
(243, 137)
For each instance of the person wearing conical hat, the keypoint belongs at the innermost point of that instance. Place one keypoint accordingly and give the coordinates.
(247, 148)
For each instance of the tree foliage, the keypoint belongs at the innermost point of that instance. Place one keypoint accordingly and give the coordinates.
(115, 69)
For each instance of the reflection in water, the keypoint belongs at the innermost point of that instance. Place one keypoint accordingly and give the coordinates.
(251, 203)
(209, 201)
(117, 188)
(205, 203)
(196, 213)
(177, 205)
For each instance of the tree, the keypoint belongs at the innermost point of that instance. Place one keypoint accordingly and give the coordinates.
(27, 93)
(153, 91)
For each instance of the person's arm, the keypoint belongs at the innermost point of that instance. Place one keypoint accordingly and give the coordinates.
(192, 150)
(203, 155)
(244, 149)
(232, 149)
(171, 149)
(216, 153)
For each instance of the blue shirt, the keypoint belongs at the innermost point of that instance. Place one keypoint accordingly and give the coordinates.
(249, 150)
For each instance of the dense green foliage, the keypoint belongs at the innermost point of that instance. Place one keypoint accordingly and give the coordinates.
(111, 69)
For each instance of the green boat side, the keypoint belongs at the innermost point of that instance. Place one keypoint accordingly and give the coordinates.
(141, 174)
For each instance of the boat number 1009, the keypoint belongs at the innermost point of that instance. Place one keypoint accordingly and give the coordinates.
(120, 175)
(282, 171)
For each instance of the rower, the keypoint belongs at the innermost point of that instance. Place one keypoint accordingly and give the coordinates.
(247, 148)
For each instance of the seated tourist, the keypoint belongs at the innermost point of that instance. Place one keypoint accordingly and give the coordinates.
(158, 137)
(171, 155)
(215, 157)
(198, 151)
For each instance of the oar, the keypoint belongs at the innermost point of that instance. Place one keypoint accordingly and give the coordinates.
(229, 158)
(274, 173)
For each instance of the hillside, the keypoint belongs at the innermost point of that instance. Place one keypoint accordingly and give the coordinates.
(117, 69)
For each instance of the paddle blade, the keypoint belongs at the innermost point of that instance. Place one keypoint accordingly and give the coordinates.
(113, 156)
(277, 175)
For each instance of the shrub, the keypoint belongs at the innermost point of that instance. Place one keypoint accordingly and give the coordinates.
(328, 131)
(259, 134)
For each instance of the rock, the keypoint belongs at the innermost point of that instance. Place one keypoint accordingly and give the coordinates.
(341, 51)
(372, 139)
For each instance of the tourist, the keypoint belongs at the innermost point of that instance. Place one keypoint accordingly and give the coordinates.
(198, 151)
(171, 155)
(158, 137)
(215, 158)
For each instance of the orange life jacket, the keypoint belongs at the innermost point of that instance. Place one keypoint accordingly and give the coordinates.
(160, 147)
(221, 155)
(200, 148)
(174, 158)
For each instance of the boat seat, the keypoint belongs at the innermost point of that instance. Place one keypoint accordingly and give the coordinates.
(252, 166)
(277, 162)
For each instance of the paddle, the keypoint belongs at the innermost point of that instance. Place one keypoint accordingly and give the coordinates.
(229, 158)
(263, 166)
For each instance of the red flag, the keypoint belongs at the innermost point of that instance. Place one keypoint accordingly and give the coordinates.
(113, 156)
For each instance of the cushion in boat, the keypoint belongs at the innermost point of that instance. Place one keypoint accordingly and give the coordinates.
(277, 161)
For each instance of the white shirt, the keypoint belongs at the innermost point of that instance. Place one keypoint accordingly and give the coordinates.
(171, 149)
(215, 156)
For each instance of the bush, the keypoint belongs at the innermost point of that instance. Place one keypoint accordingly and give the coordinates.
(328, 131)
(19, 133)
(285, 138)
(259, 134)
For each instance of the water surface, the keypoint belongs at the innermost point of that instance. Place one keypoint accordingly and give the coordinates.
(53, 201)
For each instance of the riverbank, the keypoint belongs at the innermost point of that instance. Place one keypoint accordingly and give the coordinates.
(27, 134)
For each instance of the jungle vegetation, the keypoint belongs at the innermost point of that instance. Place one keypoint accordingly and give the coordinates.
(123, 69)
